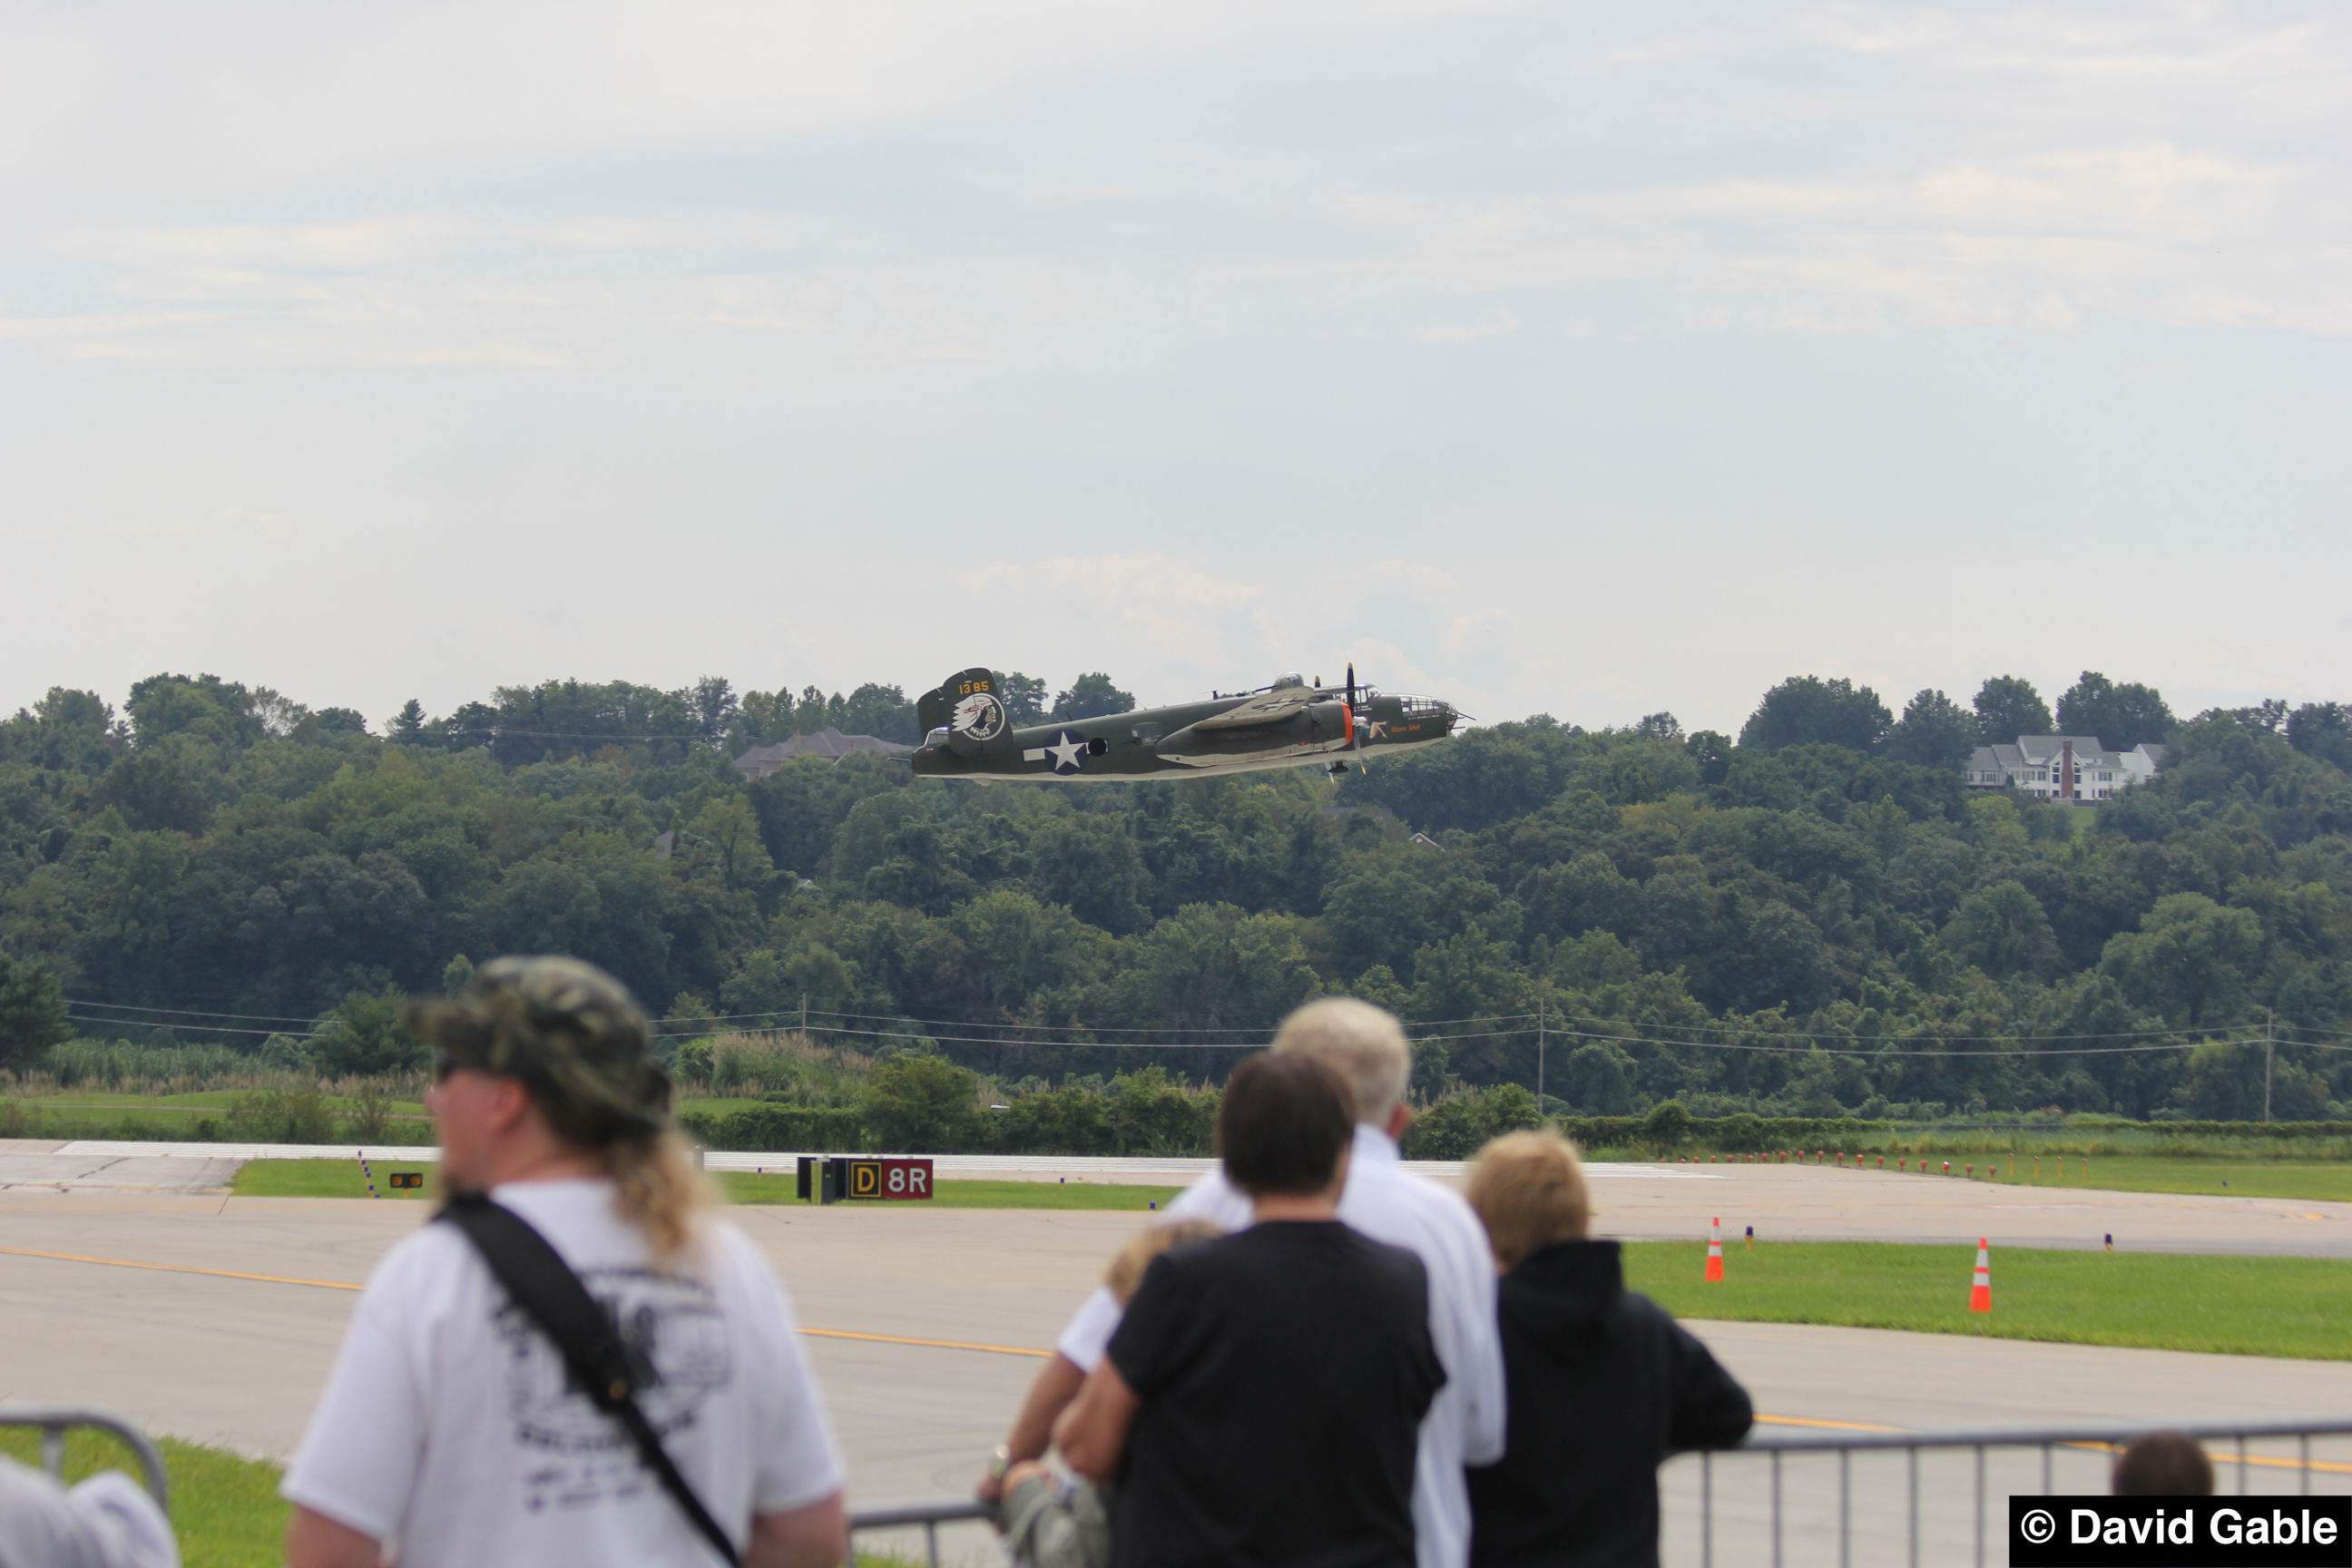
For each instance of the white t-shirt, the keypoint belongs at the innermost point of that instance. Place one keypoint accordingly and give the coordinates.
(1388, 1203)
(449, 1426)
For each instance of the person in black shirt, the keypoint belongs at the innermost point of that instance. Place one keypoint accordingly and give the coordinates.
(1260, 1403)
(1600, 1383)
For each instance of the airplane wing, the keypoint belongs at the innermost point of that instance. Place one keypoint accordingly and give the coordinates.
(1269, 708)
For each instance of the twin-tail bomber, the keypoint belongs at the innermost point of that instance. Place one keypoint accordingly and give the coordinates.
(970, 734)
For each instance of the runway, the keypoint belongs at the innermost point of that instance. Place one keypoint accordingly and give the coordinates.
(1637, 1201)
(227, 1332)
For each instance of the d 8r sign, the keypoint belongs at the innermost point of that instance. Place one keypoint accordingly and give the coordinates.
(899, 1179)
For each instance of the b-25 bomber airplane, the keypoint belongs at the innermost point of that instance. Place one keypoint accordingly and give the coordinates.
(968, 732)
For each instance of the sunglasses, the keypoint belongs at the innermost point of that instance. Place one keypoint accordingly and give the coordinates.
(444, 1064)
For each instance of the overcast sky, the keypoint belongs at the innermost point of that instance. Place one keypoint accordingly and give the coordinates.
(1587, 360)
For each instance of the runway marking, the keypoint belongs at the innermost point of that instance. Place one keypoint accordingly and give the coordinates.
(1830, 1426)
(182, 1268)
(2262, 1461)
(345, 1284)
(69, 1185)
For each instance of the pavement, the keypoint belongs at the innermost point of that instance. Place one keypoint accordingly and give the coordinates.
(215, 1318)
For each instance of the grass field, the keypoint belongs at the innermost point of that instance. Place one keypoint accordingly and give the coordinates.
(225, 1509)
(2243, 1306)
(2248, 1178)
(341, 1179)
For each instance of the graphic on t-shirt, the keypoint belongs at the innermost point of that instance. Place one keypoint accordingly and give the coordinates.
(676, 1341)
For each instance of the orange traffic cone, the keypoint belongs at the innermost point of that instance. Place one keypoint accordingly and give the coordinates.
(1714, 1252)
(1980, 1293)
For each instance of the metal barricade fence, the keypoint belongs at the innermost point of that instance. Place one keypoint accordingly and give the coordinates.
(1874, 1498)
(54, 1421)
(1939, 1497)
(925, 1516)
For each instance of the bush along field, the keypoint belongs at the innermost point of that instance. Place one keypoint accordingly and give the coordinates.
(215, 886)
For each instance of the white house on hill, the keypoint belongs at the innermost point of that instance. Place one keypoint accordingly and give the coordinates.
(2074, 769)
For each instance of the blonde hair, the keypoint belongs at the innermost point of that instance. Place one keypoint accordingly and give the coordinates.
(660, 1191)
(1125, 1271)
(1529, 1190)
(1364, 1044)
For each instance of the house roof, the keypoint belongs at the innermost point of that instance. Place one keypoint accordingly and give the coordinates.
(827, 742)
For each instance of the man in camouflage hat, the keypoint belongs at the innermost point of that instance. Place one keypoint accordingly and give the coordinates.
(449, 1432)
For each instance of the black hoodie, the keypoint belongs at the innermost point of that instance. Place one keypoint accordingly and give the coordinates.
(1602, 1385)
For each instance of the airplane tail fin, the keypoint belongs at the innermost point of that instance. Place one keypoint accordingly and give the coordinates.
(971, 708)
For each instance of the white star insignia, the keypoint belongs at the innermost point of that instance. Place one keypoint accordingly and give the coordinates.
(1066, 751)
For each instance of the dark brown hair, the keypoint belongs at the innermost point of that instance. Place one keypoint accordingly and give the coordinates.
(1283, 1124)
(2164, 1464)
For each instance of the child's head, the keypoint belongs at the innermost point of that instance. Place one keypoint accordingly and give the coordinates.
(2164, 1464)
(1125, 1271)
(1528, 1189)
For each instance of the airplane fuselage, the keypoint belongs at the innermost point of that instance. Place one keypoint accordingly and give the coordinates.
(1316, 727)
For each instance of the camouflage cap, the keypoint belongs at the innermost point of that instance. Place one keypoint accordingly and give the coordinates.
(571, 1032)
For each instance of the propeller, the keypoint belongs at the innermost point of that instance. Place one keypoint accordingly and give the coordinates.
(1355, 735)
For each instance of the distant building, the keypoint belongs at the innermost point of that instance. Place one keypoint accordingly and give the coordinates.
(2074, 769)
(828, 743)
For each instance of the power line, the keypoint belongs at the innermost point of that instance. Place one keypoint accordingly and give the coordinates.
(195, 1013)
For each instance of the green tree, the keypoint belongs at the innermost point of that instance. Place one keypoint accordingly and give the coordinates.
(363, 1038)
(219, 712)
(1667, 1127)
(32, 1011)
(1025, 698)
(1091, 696)
(920, 1104)
(157, 792)
(2007, 706)
(2191, 957)
(760, 994)
(408, 724)
(1805, 709)
(725, 835)
(1598, 1080)
(2323, 731)
(2121, 716)
(1378, 917)
(2003, 930)
(1935, 733)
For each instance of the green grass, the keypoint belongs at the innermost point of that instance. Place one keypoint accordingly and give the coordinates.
(2234, 1175)
(2245, 1178)
(2241, 1306)
(323, 1179)
(341, 1179)
(225, 1509)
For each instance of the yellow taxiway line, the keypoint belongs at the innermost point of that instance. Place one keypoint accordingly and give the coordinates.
(2264, 1460)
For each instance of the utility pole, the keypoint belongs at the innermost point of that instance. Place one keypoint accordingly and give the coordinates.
(1540, 1058)
(2270, 1052)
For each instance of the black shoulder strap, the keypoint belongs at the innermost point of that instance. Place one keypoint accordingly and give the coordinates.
(544, 1287)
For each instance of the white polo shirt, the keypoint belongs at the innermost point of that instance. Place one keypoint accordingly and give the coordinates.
(1387, 1202)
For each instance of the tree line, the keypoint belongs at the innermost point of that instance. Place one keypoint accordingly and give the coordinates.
(1815, 918)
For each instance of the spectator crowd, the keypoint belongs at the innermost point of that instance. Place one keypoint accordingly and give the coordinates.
(1319, 1359)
